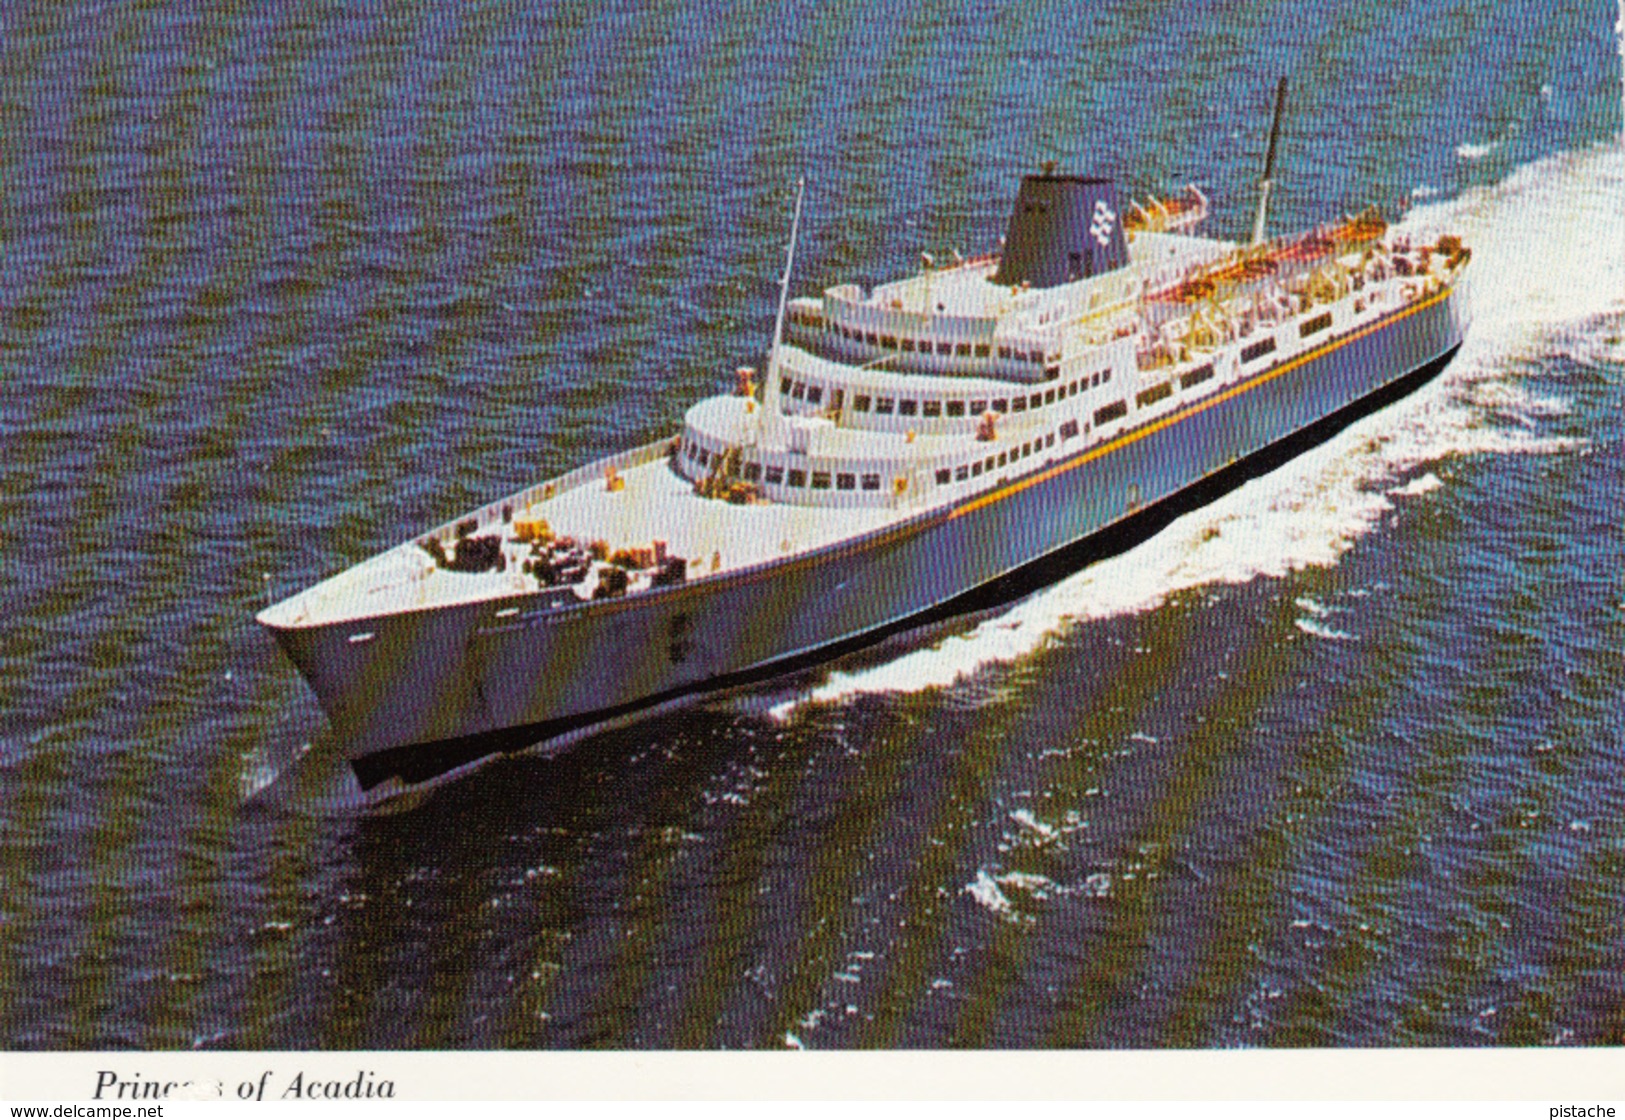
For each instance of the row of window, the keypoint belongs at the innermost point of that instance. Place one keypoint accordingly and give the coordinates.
(960, 473)
(811, 393)
(1154, 393)
(843, 480)
(931, 409)
(777, 476)
(819, 480)
(1311, 326)
(929, 346)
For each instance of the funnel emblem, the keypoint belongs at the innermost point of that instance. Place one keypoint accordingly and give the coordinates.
(1101, 226)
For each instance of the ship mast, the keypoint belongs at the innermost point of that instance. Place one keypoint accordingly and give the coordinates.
(772, 422)
(1265, 183)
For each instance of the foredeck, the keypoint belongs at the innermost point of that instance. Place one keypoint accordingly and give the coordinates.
(651, 502)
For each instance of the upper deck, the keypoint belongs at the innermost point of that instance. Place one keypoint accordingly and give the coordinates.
(958, 321)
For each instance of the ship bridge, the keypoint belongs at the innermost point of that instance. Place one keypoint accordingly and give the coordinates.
(960, 321)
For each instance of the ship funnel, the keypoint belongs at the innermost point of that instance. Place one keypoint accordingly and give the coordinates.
(1064, 228)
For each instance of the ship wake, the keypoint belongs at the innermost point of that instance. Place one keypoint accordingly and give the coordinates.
(1546, 283)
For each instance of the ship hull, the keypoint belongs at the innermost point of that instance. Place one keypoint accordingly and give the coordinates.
(435, 690)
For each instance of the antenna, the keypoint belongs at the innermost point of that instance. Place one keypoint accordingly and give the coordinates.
(770, 391)
(1268, 181)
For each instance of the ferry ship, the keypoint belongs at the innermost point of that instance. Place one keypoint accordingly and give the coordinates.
(902, 446)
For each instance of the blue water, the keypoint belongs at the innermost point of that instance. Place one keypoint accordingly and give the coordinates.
(1336, 761)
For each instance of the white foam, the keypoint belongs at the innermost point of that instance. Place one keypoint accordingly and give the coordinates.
(1313, 607)
(1423, 484)
(1548, 246)
(1038, 886)
(1476, 151)
(1321, 630)
(1548, 275)
(985, 890)
(1026, 819)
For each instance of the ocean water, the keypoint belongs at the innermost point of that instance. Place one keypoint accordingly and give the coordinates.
(1336, 761)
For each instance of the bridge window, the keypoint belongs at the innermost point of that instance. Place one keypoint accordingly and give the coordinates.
(1001, 405)
(1318, 323)
(1026, 450)
(956, 408)
(884, 406)
(820, 480)
(945, 348)
(860, 403)
(1049, 440)
(846, 482)
(908, 345)
(888, 342)
(800, 391)
(990, 462)
(815, 393)
(978, 407)
(1019, 404)
(1004, 458)
(962, 349)
(976, 469)
(1004, 351)
(798, 478)
(871, 338)
(1196, 376)
(784, 385)
(1037, 399)
(775, 475)
(1051, 373)
(907, 407)
(931, 408)
(1049, 397)
(753, 472)
(871, 482)
(944, 476)
(1105, 375)
(1069, 429)
(983, 349)
(961, 474)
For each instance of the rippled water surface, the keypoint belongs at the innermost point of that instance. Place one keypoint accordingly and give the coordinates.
(1334, 761)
